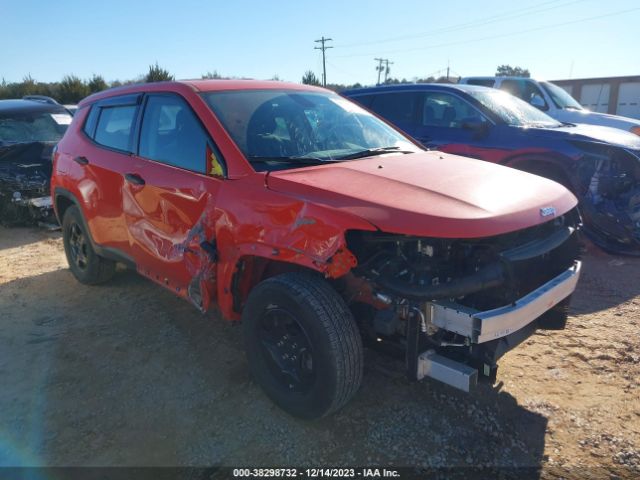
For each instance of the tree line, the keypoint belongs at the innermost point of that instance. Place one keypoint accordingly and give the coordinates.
(71, 89)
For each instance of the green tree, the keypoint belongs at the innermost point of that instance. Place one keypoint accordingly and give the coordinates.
(97, 84)
(27, 87)
(309, 78)
(157, 74)
(211, 75)
(72, 89)
(509, 71)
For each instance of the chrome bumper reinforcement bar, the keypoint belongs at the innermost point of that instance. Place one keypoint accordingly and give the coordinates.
(482, 327)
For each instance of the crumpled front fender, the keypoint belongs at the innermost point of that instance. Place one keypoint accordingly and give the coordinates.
(254, 222)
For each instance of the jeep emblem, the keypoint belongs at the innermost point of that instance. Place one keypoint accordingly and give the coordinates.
(546, 211)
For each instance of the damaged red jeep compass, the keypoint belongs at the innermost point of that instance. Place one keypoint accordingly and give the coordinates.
(319, 226)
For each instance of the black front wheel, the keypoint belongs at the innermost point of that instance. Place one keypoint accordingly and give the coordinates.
(85, 264)
(302, 343)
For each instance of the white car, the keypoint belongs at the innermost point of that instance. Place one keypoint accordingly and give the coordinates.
(554, 101)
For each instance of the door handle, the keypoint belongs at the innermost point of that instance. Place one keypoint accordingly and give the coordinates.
(134, 178)
(81, 160)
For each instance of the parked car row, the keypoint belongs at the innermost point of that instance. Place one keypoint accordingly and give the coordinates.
(323, 227)
(600, 165)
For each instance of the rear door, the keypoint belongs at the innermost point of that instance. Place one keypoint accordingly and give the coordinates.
(99, 165)
(170, 196)
(399, 108)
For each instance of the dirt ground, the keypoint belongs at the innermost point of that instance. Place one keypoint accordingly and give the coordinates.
(128, 374)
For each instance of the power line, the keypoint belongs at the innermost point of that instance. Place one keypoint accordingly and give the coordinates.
(479, 22)
(492, 37)
(324, 63)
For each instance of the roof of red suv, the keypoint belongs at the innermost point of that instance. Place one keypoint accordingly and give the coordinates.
(198, 86)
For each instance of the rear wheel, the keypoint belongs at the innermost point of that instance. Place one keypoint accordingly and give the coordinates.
(85, 264)
(302, 343)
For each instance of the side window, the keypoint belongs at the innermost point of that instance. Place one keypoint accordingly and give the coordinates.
(114, 127)
(364, 100)
(523, 89)
(172, 134)
(90, 122)
(398, 108)
(447, 111)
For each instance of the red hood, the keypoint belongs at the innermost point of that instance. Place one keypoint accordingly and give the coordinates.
(430, 194)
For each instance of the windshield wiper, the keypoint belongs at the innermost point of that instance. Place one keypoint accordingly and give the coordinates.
(302, 160)
(370, 152)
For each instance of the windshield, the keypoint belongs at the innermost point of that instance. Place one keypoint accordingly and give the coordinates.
(560, 97)
(25, 127)
(512, 110)
(278, 129)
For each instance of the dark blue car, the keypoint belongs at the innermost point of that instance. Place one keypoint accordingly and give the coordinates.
(600, 165)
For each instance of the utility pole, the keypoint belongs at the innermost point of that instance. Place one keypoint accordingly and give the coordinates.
(387, 69)
(380, 68)
(324, 63)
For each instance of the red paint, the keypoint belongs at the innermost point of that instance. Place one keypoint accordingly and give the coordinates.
(263, 224)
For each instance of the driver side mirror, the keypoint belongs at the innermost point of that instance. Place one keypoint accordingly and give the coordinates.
(538, 102)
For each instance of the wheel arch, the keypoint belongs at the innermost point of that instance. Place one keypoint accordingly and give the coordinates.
(63, 199)
(548, 166)
(250, 270)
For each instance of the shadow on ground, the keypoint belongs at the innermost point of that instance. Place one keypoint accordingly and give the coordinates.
(128, 374)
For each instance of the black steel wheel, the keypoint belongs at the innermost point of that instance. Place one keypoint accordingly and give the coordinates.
(286, 349)
(302, 343)
(85, 264)
(78, 246)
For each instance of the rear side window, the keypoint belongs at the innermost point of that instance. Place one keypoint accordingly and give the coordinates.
(172, 134)
(398, 108)
(114, 127)
(90, 123)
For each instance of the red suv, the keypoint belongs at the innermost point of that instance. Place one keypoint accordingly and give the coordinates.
(319, 226)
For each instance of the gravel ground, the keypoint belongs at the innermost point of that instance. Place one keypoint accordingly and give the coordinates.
(127, 374)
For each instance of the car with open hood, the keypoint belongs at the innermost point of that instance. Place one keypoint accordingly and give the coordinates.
(600, 165)
(29, 130)
(319, 226)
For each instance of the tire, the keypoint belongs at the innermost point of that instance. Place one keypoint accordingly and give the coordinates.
(323, 349)
(85, 264)
(556, 318)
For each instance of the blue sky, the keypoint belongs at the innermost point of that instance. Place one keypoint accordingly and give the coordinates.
(119, 39)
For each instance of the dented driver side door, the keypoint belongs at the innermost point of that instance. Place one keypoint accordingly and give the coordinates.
(169, 199)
